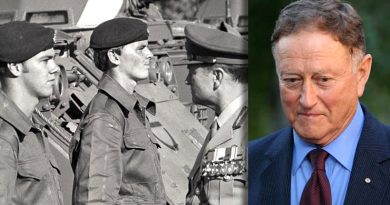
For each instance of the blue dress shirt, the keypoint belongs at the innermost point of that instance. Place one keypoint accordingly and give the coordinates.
(338, 165)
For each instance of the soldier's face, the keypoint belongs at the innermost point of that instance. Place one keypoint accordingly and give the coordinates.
(135, 60)
(39, 74)
(201, 80)
(320, 82)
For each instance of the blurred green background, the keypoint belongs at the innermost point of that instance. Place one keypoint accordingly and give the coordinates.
(265, 114)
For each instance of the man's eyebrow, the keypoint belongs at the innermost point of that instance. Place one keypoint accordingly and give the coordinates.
(48, 56)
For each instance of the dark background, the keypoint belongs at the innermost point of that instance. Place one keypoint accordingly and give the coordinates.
(265, 113)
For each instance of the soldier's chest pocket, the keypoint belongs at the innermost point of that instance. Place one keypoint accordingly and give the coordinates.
(140, 139)
(141, 160)
(36, 168)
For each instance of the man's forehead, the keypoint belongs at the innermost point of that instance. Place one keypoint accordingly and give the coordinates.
(139, 43)
(196, 65)
(309, 43)
(144, 42)
(46, 53)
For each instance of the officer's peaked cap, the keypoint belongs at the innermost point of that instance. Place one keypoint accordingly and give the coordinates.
(210, 45)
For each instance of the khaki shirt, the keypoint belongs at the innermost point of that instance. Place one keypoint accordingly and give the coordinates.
(114, 153)
(219, 175)
(28, 171)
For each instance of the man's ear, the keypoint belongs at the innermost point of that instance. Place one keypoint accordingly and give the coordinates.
(363, 73)
(218, 75)
(15, 69)
(113, 57)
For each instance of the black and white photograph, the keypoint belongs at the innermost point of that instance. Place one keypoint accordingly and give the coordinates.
(123, 102)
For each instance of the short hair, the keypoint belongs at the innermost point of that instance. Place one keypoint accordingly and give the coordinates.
(3, 68)
(239, 73)
(101, 60)
(333, 16)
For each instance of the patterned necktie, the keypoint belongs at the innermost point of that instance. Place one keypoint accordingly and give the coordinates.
(317, 189)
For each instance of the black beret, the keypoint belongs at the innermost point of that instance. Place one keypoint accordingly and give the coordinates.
(20, 40)
(210, 45)
(117, 32)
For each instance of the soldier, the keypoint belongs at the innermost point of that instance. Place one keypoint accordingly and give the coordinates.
(114, 153)
(218, 79)
(28, 171)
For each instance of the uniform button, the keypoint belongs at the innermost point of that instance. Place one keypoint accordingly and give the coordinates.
(197, 192)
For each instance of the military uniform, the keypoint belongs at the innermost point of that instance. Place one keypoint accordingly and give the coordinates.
(114, 153)
(28, 171)
(219, 174)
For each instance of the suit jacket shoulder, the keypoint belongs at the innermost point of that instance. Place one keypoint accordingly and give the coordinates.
(370, 177)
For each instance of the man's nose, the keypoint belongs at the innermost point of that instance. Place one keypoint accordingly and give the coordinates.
(148, 53)
(187, 80)
(54, 68)
(308, 96)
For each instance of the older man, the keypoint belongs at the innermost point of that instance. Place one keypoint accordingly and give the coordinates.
(335, 151)
(114, 153)
(218, 79)
(28, 171)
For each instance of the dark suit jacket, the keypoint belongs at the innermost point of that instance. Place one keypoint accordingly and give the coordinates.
(270, 160)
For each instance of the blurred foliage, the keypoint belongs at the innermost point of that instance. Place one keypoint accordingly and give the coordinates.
(265, 114)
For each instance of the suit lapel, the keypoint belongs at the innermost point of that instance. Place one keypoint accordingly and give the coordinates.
(275, 180)
(371, 170)
(225, 133)
(198, 160)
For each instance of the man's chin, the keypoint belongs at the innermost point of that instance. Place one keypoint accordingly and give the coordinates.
(46, 93)
(141, 78)
(197, 101)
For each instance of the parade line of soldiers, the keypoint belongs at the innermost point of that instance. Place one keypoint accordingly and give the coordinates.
(114, 154)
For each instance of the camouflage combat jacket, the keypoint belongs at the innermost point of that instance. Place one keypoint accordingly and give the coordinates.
(114, 153)
(28, 171)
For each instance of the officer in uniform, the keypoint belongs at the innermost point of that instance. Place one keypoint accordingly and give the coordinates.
(218, 79)
(114, 153)
(28, 171)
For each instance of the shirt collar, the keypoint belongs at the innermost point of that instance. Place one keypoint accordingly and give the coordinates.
(115, 90)
(13, 115)
(343, 148)
(232, 108)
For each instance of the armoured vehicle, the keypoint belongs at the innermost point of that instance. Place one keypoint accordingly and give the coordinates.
(178, 124)
(233, 12)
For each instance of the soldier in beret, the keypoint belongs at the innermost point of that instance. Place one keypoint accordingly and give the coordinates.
(28, 171)
(114, 153)
(218, 79)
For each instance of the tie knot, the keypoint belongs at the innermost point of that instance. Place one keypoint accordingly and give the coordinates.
(214, 126)
(317, 158)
